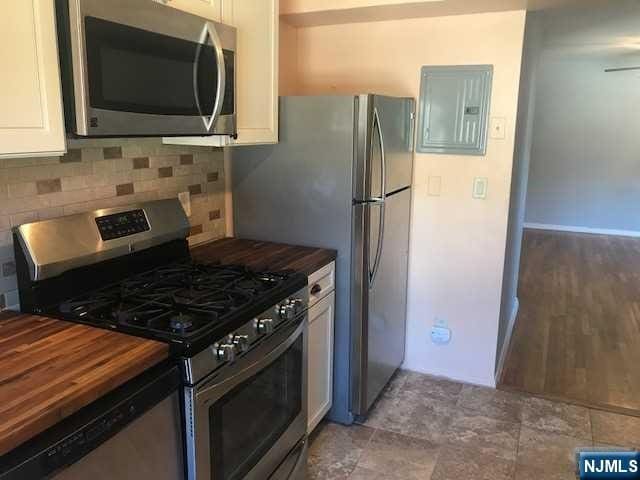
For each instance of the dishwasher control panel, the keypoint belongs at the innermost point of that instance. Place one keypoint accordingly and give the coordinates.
(73, 438)
(80, 443)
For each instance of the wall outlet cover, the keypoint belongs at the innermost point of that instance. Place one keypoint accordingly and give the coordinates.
(440, 335)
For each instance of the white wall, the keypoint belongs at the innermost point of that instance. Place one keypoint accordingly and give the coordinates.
(584, 168)
(288, 59)
(522, 156)
(457, 243)
(584, 165)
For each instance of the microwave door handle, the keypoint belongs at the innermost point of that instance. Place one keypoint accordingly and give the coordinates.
(209, 31)
(196, 89)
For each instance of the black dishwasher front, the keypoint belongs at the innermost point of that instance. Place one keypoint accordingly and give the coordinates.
(133, 432)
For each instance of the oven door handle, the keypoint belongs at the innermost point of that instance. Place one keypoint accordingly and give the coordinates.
(209, 31)
(217, 387)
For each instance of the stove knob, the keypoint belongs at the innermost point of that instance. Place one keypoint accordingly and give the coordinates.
(264, 326)
(297, 305)
(241, 343)
(286, 311)
(226, 352)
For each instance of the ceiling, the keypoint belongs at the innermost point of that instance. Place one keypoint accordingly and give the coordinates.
(309, 13)
(610, 31)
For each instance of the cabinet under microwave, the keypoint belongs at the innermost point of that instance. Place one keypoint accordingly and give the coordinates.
(140, 68)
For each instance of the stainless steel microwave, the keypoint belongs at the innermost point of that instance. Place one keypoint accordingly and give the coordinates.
(140, 68)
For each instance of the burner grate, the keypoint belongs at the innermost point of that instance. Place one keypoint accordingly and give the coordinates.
(178, 299)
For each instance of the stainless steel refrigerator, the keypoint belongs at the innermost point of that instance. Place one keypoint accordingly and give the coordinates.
(340, 177)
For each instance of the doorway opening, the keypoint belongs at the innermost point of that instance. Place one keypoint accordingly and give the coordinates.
(570, 319)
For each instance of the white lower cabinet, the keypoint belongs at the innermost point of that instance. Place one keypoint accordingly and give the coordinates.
(320, 355)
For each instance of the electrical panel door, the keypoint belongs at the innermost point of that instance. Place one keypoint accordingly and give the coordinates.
(454, 109)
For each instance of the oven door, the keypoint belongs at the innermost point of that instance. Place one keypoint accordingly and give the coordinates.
(141, 68)
(248, 420)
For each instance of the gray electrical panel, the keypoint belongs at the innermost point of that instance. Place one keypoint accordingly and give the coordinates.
(454, 109)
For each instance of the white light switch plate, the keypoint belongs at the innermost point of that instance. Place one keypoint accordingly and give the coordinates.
(480, 186)
(498, 128)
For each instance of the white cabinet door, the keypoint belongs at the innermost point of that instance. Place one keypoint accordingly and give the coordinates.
(210, 9)
(257, 24)
(257, 68)
(320, 355)
(31, 121)
(321, 283)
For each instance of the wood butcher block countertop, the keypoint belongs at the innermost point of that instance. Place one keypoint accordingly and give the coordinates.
(50, 369)
(265, 256)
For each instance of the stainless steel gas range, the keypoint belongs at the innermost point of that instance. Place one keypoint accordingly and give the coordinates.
(240, 335)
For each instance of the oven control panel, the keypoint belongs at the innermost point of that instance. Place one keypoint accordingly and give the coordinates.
(233, 346)
(122, 224)
(241, 341)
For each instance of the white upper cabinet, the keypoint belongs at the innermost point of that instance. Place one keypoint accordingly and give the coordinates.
(210, 9)
(31, 120)
(257, 23)
(257, 68)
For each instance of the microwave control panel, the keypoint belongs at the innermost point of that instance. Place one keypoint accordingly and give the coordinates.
(123, 224)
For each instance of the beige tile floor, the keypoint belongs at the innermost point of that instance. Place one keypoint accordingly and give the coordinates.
(424, 427)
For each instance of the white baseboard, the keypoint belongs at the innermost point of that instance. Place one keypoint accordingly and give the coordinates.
(488, 381)
(507, 339)
(595, 231)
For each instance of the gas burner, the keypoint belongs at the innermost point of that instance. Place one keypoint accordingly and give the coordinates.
(181, 322)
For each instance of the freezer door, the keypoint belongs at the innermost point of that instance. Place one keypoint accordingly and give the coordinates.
(396, 126)
(379, 321)
(384, 146)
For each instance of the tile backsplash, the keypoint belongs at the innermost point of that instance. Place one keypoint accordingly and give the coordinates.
(107, 173)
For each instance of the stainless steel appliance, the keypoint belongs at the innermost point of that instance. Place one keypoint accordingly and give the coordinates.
(341, 178)
(137, 67)
(250, 414)
(132, 433)
(240, 335)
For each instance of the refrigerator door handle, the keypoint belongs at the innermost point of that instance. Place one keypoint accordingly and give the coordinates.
(381, 199)
(376, 262)
(383, 159)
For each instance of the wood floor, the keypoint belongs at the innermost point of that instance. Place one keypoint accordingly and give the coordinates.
(577, 335)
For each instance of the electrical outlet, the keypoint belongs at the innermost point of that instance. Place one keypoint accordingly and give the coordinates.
(185, 200)
(440, 335)
(440, 332)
